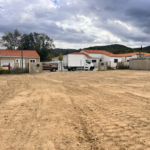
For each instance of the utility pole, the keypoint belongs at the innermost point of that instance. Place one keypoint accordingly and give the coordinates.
(22, 55)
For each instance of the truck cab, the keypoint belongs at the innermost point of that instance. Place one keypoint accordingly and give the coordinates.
(88, 65)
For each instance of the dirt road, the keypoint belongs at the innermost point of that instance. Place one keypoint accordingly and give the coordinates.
(106, 110)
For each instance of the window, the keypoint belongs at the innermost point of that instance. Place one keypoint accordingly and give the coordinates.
(32, 60)
(93, 61)
(17, 61)
(87, 61)
(115, 60)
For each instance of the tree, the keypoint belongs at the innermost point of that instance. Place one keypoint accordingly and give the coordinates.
(60, 57)
(66, 52)
(36, 41)
(42, 41)
(11, 40)
(27, 42)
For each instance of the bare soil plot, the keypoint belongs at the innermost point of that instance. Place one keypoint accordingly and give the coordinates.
(107, 110)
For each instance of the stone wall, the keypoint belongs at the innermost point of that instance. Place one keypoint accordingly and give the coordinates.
(36, 67)
(140, 64)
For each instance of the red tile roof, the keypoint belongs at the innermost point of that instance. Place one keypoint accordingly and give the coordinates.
(147, 54)
(101, 52)
(17, 53)
(79, 53)
(114, 55)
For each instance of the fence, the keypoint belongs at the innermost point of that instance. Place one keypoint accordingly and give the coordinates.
(140, 64)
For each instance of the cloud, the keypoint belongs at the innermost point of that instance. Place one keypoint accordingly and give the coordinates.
(80, 23)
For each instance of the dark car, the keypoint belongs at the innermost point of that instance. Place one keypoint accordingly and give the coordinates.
(47, 66)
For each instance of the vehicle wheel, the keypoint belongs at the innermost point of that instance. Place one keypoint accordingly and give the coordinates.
(54, 70)
(69, 69)
(73, 69)
(91, 69)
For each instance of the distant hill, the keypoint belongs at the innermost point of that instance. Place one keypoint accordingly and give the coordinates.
(144, 49)
(115, 48)
(119, 49)
(64, 51)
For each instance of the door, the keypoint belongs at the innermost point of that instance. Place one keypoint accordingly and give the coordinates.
(87, 65)
(21, 63)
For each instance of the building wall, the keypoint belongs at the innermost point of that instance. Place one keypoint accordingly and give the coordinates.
(143, 64)
(113, 64)
(17, 64)
(125, 59)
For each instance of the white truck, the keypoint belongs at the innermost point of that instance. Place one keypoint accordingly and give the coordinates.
(76, 61)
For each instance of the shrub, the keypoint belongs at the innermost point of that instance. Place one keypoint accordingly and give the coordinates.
(123, 67)
(4, 71)
(110, 68)
(15, 71)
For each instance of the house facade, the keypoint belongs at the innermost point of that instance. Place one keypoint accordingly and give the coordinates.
(102, 56)
(14, 58)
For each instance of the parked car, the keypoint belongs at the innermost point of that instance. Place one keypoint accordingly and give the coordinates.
(4, 67)
(47, 66)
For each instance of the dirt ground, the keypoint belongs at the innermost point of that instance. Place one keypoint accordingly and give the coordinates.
(99, 110)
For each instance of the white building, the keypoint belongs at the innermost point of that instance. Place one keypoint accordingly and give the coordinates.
(102, 56)
(55, 59)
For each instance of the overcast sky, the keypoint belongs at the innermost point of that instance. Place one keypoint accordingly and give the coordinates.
(80, 23)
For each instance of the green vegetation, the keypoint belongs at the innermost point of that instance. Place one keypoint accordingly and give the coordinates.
(119, 49)
(60, 57)
(15, 71)
(123, 67)
(110, 68)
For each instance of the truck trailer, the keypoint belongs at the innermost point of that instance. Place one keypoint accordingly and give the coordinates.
(76, 61)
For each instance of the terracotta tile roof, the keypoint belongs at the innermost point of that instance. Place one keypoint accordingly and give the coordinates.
(127, 54)
(147, 54)
(79, 53)
(101, 52)
(114, 55)
(17, 53)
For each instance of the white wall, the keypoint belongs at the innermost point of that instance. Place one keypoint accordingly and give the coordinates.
(113, 64)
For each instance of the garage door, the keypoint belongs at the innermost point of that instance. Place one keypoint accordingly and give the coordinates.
(6, 62)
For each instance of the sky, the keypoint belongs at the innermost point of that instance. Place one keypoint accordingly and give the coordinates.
(80, 23)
